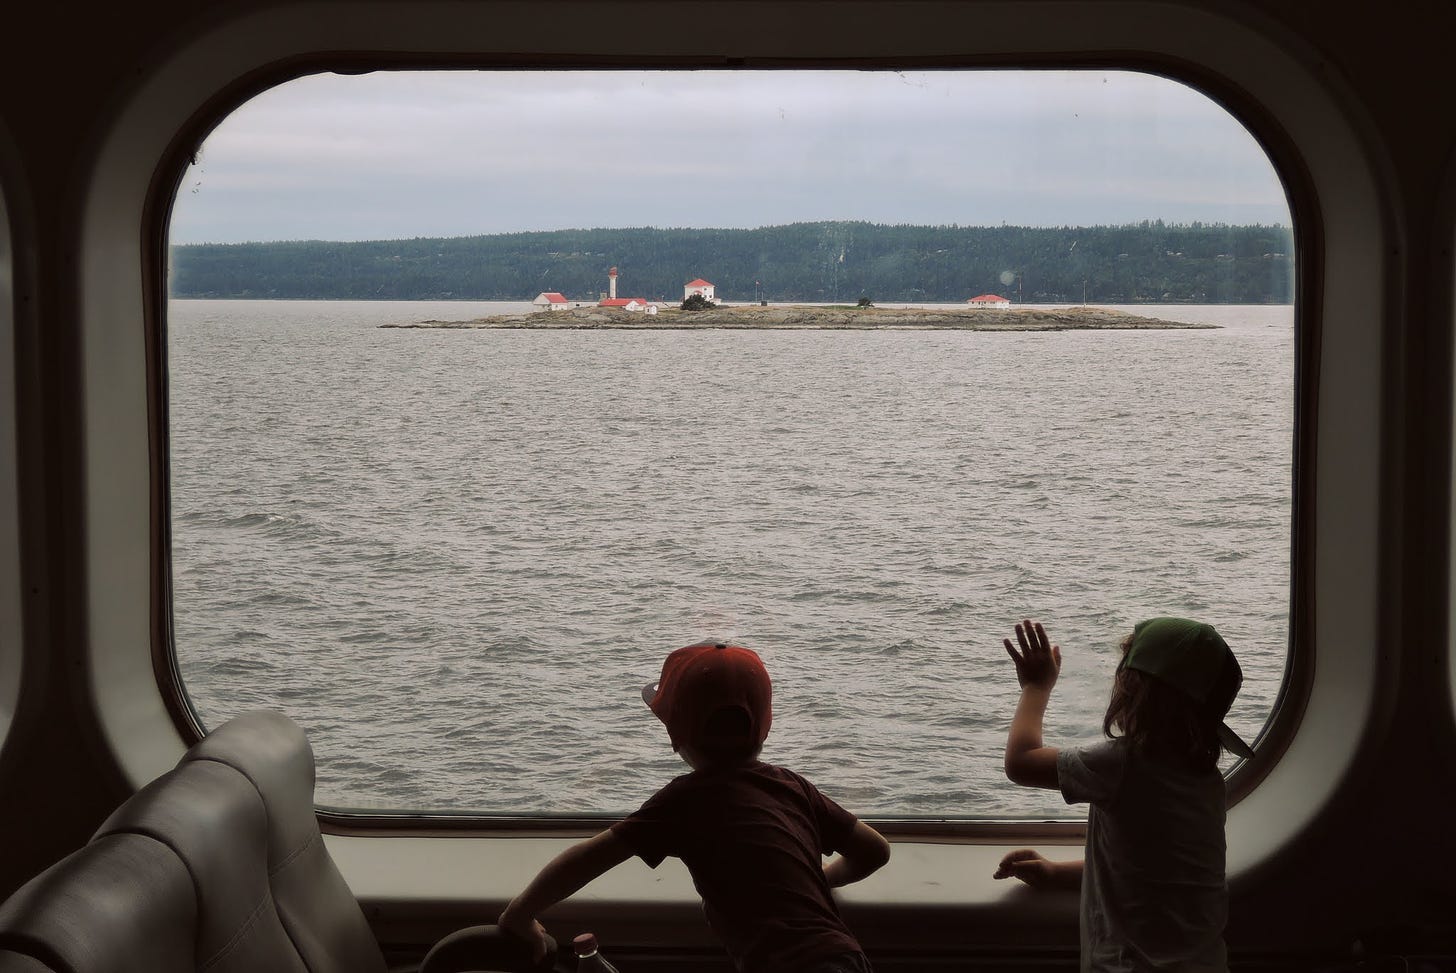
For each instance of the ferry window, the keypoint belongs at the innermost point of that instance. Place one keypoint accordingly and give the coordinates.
(489, 389)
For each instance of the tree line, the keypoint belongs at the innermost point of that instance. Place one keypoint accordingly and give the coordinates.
(1147, 262)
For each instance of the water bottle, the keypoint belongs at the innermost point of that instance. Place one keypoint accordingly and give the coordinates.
(588, 958)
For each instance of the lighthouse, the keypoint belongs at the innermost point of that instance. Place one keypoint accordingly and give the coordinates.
(624, 303)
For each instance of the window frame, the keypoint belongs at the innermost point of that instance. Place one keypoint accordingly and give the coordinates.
(156, 129)
(1293, 690)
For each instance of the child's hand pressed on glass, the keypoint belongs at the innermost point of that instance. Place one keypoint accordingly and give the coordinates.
(1039, 873)
(1028, 761)
(1039, 662)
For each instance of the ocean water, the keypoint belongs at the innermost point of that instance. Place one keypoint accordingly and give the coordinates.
(455, 556)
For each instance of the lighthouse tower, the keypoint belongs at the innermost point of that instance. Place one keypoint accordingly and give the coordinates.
(612, 283)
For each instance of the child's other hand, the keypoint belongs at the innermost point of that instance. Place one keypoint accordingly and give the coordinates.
(1030, 867)
(1039, 662)
(525, 928)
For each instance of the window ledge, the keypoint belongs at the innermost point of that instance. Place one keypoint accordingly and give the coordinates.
(415, 890)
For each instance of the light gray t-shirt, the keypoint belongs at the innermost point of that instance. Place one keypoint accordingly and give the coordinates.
(1153, 889)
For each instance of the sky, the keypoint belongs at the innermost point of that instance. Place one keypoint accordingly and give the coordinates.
(393, 155)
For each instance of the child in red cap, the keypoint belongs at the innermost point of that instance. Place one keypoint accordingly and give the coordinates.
(753, 836)
(1152, 879)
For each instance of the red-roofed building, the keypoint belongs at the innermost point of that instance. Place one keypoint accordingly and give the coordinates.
(989, 300)
(629, 304)
(699, 286)
(551, 301)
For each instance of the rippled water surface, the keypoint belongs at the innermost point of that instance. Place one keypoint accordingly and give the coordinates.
(455, 556)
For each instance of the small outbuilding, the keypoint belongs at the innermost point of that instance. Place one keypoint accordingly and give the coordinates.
(989, 300)
(628, 303)
(551, 301)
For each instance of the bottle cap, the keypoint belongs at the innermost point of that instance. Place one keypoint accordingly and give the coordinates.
(585, 944)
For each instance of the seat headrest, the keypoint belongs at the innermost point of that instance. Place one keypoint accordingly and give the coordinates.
(271, 751)
(213, 818)
(314, 902)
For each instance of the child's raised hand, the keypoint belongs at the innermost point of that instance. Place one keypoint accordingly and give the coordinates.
(1039, 662)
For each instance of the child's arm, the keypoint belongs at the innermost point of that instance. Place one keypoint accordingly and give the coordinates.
(864, 853)
(563, 875)
(1039, 873)
(1038, 664)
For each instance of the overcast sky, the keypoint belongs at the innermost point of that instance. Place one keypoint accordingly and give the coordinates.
(394, 154)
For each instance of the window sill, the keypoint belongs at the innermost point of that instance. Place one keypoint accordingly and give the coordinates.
(415, 890)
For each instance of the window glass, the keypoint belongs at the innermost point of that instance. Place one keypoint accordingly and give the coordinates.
(452, 469)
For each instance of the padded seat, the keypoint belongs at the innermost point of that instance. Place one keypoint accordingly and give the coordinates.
(20, 963)
(218, 865)
(316, 906)
(122, 904)
(213, 819)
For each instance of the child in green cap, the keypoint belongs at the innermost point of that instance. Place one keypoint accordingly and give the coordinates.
(1152, 879)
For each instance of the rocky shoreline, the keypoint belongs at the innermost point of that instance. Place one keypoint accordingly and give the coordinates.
(791, 316)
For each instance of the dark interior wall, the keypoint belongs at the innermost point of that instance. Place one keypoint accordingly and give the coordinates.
(56, 780)
(68, 67)
(1382, 862)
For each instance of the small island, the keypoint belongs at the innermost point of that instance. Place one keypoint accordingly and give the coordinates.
(811, 317)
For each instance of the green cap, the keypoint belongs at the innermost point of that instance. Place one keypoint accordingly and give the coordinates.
(1194, 659)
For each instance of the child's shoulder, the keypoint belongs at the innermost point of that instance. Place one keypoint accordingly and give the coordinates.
(1102, 753)
(777, 772)
(755, 774)
(797, 789)
(1095, 773)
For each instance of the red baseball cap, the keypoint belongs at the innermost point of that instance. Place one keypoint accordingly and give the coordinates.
(698, 680)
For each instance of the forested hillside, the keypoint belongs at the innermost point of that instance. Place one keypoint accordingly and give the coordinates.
(820, 262)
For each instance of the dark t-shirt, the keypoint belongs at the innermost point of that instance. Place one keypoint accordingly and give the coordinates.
(753, 838)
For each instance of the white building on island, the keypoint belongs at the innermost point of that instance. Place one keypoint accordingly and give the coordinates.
(551, 301)
(629, 304)
(699, 286)
(989, 300)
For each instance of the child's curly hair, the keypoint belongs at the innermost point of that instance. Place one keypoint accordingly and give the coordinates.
(1161, 722)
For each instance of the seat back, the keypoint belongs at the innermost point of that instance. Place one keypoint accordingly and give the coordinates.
(316, 906)
(212, 818)
(122, 904)
(218, 866)
(21, 963)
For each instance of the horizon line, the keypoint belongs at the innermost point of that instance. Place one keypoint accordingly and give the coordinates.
(1136, 224)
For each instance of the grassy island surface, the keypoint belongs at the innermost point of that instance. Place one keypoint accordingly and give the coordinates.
(800, 316)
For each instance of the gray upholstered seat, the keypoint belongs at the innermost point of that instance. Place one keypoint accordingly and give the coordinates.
(317, 907)
(122, 904)
(213, 819)
(218, 866)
